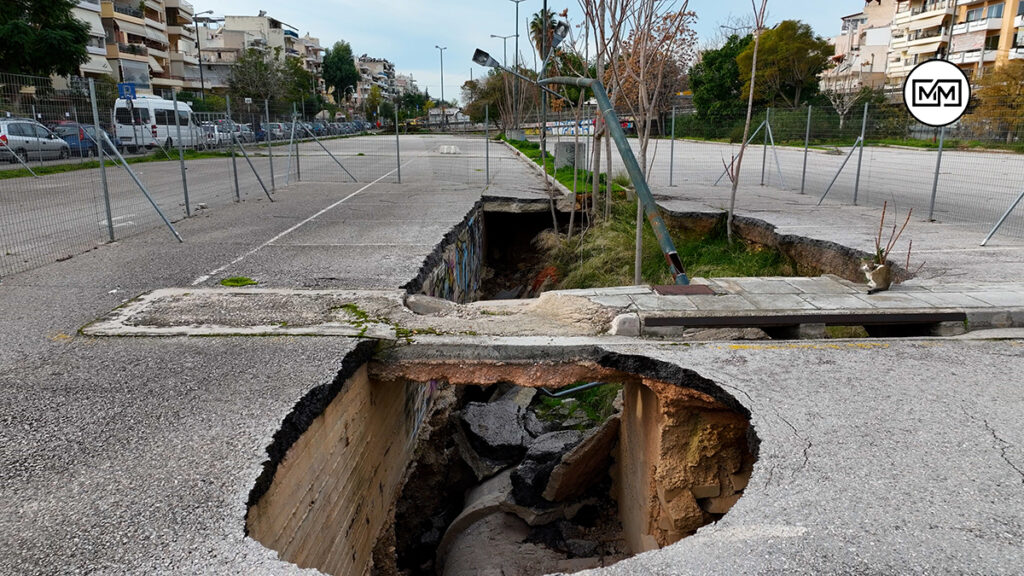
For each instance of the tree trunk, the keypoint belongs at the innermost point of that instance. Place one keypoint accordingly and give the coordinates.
(746, 135)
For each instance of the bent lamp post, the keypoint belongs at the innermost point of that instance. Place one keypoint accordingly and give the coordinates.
(611, 120)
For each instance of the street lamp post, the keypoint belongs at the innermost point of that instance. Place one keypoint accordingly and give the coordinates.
(504, 47)
(199, 49)
(444, 116)
(636, 175)
(515, 103)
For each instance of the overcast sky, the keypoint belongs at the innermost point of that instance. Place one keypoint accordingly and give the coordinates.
(406, 31)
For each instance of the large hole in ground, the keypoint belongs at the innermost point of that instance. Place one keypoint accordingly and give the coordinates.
(457, 468)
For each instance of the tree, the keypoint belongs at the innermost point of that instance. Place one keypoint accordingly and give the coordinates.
(790, 59)
(715, 81)
(1000, 96)
(373, 100)
(339, 70)
(537, 34)
(41, 37)
(257, 75)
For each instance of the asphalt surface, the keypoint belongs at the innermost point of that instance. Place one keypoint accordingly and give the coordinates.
(136, 455)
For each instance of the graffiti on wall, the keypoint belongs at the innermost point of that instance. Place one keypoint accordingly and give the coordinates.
(457, 277)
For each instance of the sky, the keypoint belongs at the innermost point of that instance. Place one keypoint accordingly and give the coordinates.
(406, 32)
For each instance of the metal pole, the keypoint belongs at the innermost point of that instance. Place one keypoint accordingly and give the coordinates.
(103, 163)
(181, 153)
(643, 191)
(39, 149)
(731, 162)
(672, 150)
(252, 167)
(1003, 219)
(234, 163)
(807, 145)
(935, 183)
(291, 141)
(487, 142)
(298, 162)
(398, 148)
(860, 156)
(270, 149)
(81, 155)
(775, 154)
(142, 187)
(764, 149)
(836, 177)
(336, 161)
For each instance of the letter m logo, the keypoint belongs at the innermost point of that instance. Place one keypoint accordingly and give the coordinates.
(936, 93)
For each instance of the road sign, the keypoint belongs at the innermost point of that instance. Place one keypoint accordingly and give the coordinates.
(126, 90)
(248, 100)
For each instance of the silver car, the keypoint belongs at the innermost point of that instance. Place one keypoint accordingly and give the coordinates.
(29, 140)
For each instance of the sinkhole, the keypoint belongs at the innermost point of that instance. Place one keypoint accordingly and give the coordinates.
(456, 467)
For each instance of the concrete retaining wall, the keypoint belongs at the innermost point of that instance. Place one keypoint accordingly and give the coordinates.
(453, 271)
(331, 494)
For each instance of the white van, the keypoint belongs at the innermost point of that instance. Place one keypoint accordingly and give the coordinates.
(148, 121)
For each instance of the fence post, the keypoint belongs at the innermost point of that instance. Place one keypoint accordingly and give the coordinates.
(39, 149)
(860, 155)
(1003, 219)
(764, 149)
(487, 142)
(935, 183)
(672, 150)
(81, 155)
(234, 163)
(270, 149)
(298, 164)
(181, 153)
(398, 148)
(807, 145)
(103, 162)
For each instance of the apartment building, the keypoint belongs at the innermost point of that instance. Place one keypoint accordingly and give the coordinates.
(278, 37)
(374, 72)
(220, 49)
(313, 60)
(88, 11)
(921, 30)
(861, 49)
(181, 38)
(986, 33)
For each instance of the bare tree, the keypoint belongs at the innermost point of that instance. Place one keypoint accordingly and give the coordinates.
(734, 172)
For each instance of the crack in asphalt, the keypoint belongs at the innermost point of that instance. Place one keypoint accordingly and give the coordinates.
(1003, 445)
(807, 443)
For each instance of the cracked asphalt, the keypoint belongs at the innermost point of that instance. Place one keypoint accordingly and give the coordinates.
(137, 455)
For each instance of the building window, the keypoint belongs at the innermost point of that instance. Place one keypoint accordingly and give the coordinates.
(996, 10)
(974, 15)
(1020, 9)
(992, 42)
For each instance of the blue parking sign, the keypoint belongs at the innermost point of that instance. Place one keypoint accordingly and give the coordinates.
(126, 90)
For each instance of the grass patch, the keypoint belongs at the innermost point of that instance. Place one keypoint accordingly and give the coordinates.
(594, 405)
(238, 281)
(73, 166)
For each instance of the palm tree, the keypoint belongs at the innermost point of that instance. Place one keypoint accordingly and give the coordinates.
(537, 30)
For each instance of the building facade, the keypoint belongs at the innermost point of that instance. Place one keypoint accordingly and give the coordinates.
(374, 72)
(861, 49)
(986, 33)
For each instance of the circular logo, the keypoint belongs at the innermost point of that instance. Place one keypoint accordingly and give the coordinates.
(937, 93)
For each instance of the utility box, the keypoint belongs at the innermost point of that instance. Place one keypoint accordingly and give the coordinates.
(569, 154)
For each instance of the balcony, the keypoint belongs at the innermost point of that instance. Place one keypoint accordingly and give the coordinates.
(181, 5)
(183, 31)
(1017, 53)
(292, 33)
(934, 9)
(184, 57)
(156, 24)
(972, 56)
(926, 37)
(157, 52)
(1018, 22)
(127, 51)
(968, 2)
(978, 26)
(111, 10)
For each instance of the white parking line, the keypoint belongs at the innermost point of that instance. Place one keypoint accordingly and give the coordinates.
(212, 273)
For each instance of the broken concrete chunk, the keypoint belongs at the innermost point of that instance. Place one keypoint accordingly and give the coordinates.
(531, 476)
(706, 491)
(428, 305)
(519, 396)
(740, 480)
(584, 465)
(494, 430)
(719, 505)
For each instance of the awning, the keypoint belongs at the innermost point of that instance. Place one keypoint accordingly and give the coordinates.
(925, 23)
(155, 66)
(96, 65)
(131, 28)
(925, 48)
(92, 19)
(156, 36)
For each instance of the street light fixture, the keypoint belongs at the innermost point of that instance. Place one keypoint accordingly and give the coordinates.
(199, 49)
(504, 47)
(444, 116)
(614, 127)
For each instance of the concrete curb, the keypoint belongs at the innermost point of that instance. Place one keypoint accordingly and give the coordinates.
(536, 167)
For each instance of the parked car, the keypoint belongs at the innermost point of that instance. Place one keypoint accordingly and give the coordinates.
(276, 130)
(82, 139)
(29, 140)
(216, 136)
